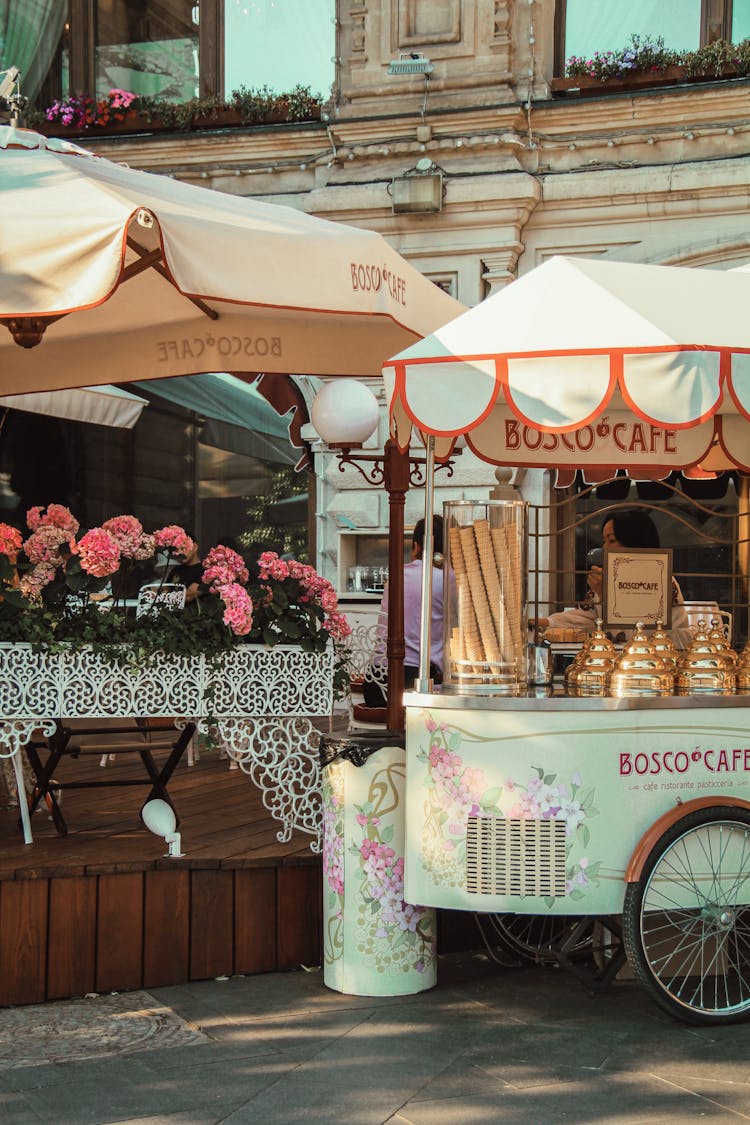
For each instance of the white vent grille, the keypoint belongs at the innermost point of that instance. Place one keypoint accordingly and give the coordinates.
(515, 857)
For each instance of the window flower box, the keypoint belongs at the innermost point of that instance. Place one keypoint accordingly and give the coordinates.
(588, 85)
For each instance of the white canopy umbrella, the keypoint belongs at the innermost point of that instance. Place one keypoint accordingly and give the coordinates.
(104, 406)
(111, 275)
(589, 364)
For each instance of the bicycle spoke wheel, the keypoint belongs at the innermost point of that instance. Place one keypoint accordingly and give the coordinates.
(686, 923)
(536, 937)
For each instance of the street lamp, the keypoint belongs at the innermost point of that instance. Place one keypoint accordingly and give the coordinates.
(345, 413)
(395, 470)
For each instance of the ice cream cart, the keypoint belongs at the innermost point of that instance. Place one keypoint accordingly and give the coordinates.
(527, 801)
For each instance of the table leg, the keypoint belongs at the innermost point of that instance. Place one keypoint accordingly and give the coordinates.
(23, 804)
(14, 734)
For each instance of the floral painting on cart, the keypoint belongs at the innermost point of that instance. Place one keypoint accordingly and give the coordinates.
(376, 942)
(540, 811)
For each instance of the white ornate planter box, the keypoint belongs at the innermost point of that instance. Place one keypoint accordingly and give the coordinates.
(258, 700)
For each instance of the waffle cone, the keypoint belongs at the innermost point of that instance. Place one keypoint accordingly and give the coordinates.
(493, 587)
(508, 563)
(479, 598)
(470, 645)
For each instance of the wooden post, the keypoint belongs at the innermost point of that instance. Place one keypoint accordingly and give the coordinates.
(396, 474)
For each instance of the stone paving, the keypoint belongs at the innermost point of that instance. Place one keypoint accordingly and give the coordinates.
(488, 1044)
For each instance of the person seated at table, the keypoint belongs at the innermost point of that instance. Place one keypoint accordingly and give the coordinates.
(374, 695)
(189, 574)
(630, 528)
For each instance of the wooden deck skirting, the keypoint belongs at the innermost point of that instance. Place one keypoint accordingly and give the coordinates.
(110, 930)
(102, 910)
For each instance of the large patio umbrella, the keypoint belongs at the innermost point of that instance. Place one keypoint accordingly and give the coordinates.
(589, 364)
(109, 275)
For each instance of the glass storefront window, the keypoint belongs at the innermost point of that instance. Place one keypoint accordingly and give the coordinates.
(740, 20)
(608, 26)
(148, 48)
(280, 44)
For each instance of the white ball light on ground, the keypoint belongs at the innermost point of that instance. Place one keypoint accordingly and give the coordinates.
(345, 412)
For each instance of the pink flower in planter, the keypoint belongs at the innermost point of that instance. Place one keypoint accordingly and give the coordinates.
(222, 565)
(44, 545)
(10, 541)
(238, 612)
(55, 515)
(175, 540)
(129, 534)
(99, 553)
(34, 581)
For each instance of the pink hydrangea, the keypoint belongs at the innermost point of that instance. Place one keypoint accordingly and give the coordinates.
(271, 566)
(99, 553)
(175, 540)
(315, 589)
(45, 545)
(55, 515)
(128, 531)
(10, 541)
(238, 608)
(33, 582)
(222, 566)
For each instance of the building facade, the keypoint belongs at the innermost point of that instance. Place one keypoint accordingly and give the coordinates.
(449, 130)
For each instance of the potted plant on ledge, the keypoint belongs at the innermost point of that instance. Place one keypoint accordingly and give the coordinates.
(647, 62)
(120, 111)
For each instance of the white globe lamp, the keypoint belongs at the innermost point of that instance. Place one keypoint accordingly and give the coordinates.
(159, 818)
(345, 413)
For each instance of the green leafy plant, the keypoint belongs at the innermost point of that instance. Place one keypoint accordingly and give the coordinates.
(715, 59)
(303, 104)
(253, 103)
(263, 534)
(644, 54)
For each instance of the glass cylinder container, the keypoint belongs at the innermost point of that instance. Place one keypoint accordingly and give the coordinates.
(484, 636)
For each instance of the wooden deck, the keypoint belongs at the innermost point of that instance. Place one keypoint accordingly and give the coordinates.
(102, 909)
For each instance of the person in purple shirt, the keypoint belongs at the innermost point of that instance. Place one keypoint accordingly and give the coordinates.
(375, 683)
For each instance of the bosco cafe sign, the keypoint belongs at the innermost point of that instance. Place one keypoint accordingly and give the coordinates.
(614, 440)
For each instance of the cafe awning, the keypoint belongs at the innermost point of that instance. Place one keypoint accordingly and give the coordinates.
(238, 418)
(589, 365)
(104, 406)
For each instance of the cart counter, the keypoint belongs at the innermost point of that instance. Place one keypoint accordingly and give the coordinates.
(535, 803)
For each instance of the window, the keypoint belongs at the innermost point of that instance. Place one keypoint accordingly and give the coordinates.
(173, 50)
(148, 48)
(584, 28)
(279, 44)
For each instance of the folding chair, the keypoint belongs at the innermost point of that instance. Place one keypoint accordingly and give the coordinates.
(151, 597)
(76, 738)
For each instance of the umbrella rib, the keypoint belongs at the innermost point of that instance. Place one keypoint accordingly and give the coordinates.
(153, 260)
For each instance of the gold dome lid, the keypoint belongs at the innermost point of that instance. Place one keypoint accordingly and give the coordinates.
(589, 672)
(705, 666)
(641, 669)
(718, 635)
(742, 669)
(662, 643)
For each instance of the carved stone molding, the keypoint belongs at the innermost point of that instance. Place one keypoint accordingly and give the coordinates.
(501, 266)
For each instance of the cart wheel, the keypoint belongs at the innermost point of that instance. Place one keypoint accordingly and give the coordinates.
(537, 937)
(686, 923)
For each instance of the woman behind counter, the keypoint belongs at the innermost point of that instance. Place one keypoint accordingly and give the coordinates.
(631, 528)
